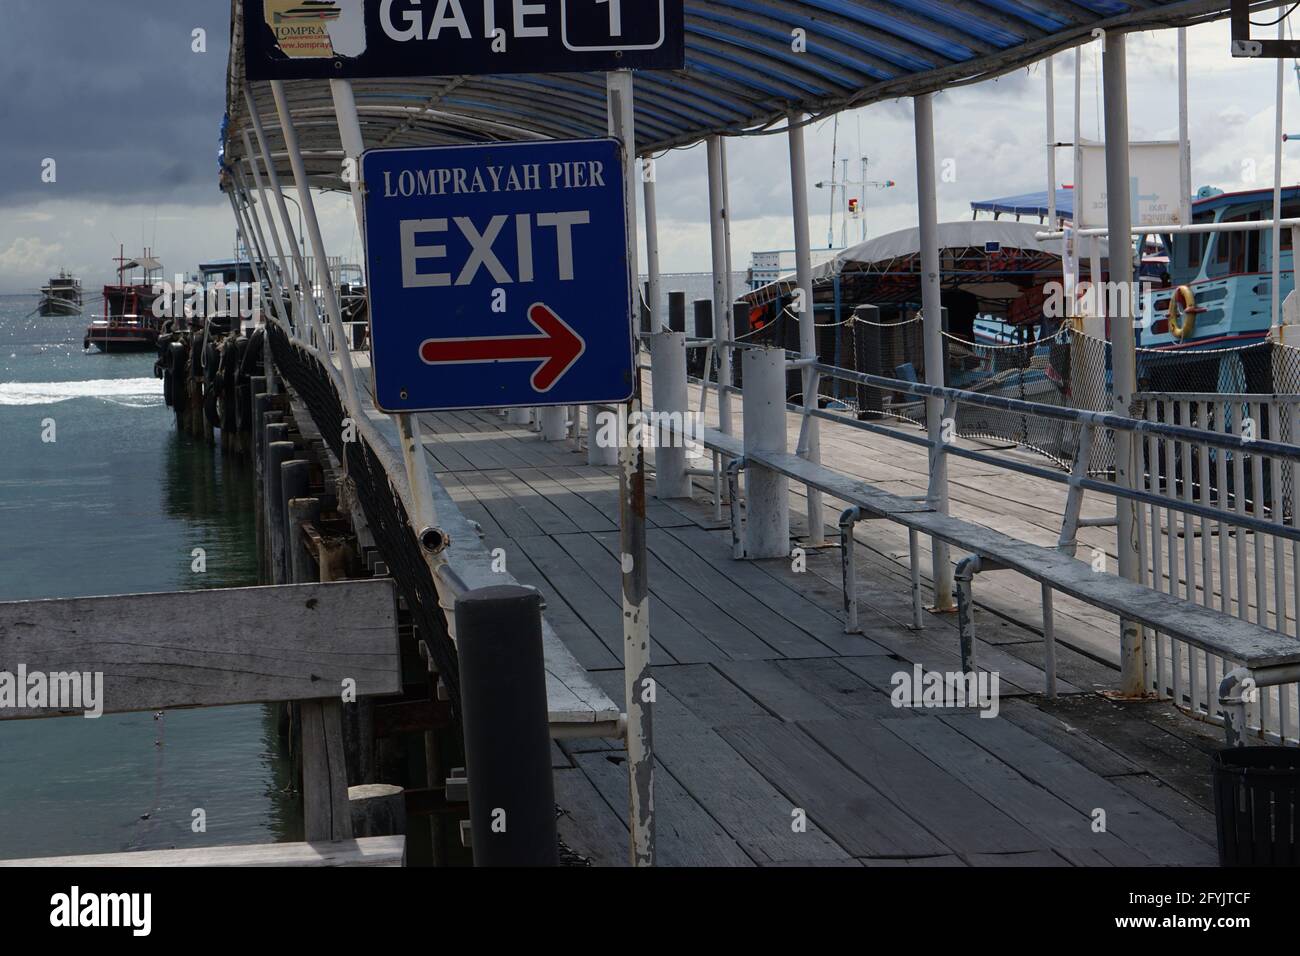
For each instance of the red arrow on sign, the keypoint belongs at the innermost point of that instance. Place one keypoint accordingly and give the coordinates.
(557, 348)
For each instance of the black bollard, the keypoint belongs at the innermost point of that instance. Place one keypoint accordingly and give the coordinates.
(507, 728)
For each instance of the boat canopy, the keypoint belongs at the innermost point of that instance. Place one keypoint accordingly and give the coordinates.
(741, 77)
(1028, 204)
(147, 263)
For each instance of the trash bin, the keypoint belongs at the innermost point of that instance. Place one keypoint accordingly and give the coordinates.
(1257, 806)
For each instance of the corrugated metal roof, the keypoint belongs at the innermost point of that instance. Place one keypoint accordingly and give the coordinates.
(741, 73)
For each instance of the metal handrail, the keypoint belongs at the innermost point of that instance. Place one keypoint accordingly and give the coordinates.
(1077, 416)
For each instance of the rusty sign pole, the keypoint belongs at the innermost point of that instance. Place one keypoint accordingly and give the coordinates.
(638, 685)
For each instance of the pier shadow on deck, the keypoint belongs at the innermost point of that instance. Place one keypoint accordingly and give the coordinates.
(765, 707)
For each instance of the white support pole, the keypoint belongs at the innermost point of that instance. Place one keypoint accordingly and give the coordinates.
(932, 310)
(306, 295)
(721, 308)
(1077, 173)
(345, 112)
(637, 679)
(242, 222)
(1123, 354)
(726, 233)
(1276, 312)
(1184, 143)
(521, 415)
(554, 421)
(262, 255)
(281, 270)
(351, 399)
(414, 459)
(658, 322)
(807, 317)
(1051, 142)
(672, 404)
(767, 517)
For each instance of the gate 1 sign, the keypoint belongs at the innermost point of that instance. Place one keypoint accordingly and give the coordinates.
(498, 275)
(348, 39)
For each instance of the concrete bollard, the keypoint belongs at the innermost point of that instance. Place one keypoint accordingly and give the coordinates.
(601, 450)
(507, 731)
(672, 407)
(519, 416)
(555, 423)
(767, 523)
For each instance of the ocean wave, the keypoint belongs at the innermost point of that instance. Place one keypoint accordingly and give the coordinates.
(116, 390)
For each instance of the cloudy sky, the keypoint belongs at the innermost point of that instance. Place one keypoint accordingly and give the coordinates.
(114, 93)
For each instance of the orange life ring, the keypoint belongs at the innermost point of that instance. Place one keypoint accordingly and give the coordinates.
(1182, 312)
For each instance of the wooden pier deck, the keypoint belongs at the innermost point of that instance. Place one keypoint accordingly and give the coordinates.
(766, 708)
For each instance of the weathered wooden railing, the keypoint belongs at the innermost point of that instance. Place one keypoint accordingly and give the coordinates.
(319, 644)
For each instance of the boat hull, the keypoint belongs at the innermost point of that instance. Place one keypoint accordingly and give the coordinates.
(113, 339)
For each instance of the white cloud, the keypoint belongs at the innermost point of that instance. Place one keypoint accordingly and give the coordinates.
(29, 256)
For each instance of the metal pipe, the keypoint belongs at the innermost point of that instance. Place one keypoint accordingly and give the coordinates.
(306, 295)
(1049, 641)
(811, 442)
(281, 271)
(261, 256)
(848, 568)
(648, 172)
(932, 309)
(1276, 297)
(914, 570)
(638, 683)
(963, 577)
(734, 467)
(1123, 351)
(1184, 144)
(721, 308)
(352, 401)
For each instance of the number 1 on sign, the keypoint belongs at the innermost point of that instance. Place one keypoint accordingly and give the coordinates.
(615, 17)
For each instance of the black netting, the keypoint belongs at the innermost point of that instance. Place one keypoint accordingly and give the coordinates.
(384, 511)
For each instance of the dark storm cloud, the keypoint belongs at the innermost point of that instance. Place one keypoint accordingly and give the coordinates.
(112, 91)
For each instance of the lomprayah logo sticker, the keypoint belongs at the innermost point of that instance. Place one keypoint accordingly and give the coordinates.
(311, 29)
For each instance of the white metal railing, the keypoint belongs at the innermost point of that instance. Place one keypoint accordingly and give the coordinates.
(1215, 561)
(1260, 524)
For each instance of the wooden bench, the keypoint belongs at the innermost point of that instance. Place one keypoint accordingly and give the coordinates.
(311, 643)
(1266, 657)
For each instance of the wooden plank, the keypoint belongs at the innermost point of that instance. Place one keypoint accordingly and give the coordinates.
(749, 808)
(844, 692)
(366, 851)
(670, 630)
(935, 798)
(859, 817)
(1040, 812)
(708, 695)
(587, 647)
(587, 823)
(209, 648)
(576, 508)
(788, 602)
(922, 861)
(678, 593)
(685, 834)
(781, 695)
(327, 814)
(712, 574)
(594, 606)
(1132, 821)
(1089, 751)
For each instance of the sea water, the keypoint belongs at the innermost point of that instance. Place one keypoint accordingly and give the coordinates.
(117, 503)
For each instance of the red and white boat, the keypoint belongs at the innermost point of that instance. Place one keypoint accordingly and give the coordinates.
(129, 323)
